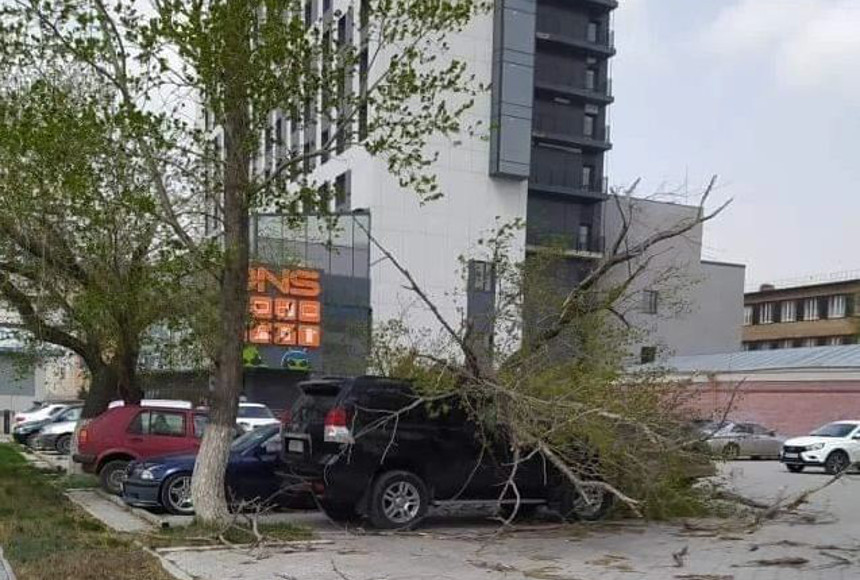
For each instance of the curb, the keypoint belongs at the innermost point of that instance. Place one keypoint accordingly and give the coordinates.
(142, 514)
(166, 564)
(5, 567)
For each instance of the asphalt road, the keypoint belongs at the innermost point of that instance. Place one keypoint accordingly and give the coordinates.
(822, 543)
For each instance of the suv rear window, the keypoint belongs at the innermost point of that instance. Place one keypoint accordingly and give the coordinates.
(164, 423)
(313, 403)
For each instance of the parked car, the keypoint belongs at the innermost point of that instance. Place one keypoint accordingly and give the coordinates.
(835, 447)
(254, 415)
(27, 431)
(40, 411)
(734, 440)
(252, 473)
(108, 443)
(57, 434)
(393, 472)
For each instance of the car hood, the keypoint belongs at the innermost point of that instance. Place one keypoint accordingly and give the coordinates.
(31, 425)
(178, 461)
(60, 428)
(809, 440)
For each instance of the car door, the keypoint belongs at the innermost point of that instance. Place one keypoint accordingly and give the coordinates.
(852, 444)
(254, 473)
(157, 432)
(767, 444)
(741, 435)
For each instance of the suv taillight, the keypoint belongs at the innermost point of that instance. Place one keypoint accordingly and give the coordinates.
(336, 428)
(83, 436)
(286, 417)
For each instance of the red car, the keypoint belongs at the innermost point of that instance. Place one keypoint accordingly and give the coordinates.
(109, 442)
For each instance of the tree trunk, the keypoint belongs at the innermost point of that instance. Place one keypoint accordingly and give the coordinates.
(125, 363)
(208, 490)
(103, 388)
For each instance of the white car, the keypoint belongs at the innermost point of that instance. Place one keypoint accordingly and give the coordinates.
(254, 415)
(40, 411)
(835, 447)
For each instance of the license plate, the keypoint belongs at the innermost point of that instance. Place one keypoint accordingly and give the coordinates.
(791, 455)
(296, 446)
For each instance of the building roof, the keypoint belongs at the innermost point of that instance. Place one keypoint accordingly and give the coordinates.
(785, 359)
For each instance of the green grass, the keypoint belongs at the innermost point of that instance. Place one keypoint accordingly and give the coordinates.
(45, 536)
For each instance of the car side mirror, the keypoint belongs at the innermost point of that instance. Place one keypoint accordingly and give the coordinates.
(771, 433)
(272, 447)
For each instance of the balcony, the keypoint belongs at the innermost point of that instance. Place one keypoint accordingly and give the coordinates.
(600, 93)
(566, 129)
(559, 172)
(567, 242)
(611, 4)
(604, 47)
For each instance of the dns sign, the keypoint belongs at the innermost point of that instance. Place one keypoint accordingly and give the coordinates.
(285, 307)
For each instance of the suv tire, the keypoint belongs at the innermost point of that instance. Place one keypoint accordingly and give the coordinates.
(572, 508)
(398, 501)
(837, 462)
(111, 475)
(794, 468)
(341, 514)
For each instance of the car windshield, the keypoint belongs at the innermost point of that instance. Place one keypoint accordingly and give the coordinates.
(255, 413)
(835, 430)
(35, 407)
(253, 438)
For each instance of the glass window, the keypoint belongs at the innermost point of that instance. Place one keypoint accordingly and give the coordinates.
(587, 177)
(482, 276)
(590, 79)
(765, 314)
(583, 240)
(788, 311)
(249, 412)
(200, 423)
(591, 33)
(809, 342)
(748, 315)
(810, 309)
(162, 423)
(647, 354)
(836, 307)
(650, 299)
(835, 430)
(72, 414)
(835, 341)
(588, 125)
(787, 343)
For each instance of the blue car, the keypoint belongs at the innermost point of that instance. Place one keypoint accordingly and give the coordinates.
(252, 473)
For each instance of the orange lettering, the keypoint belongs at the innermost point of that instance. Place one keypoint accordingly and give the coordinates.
(285, 309)
(309, 336)
(305, 283)
(260, 333)
(309, 311)
(285, 334)
(261, 307)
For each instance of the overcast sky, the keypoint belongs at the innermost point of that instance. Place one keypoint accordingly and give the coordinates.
(764, 93)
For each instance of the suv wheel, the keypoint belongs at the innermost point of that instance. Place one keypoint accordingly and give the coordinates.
(63, 444)
(731, 451)
(573, 506)
(837, 462)
(399, 500)
(342, 514)
(112, 474)
(176, 495)
(794, 468)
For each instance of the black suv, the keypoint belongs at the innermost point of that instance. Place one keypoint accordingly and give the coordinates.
(364, 454)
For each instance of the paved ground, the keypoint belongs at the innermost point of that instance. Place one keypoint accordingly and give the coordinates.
(470, 549)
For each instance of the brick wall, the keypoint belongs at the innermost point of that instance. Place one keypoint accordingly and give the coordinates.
(788, 407)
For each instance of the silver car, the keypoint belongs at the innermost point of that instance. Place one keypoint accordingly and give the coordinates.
(734, 440)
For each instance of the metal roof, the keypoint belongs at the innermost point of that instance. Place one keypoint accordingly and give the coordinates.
(817, 357)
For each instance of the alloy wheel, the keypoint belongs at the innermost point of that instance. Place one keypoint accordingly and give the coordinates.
(401, 502)
(179, 494)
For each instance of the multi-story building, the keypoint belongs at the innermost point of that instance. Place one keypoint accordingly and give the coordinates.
(801, 315)
(681, 303)
(546, 61)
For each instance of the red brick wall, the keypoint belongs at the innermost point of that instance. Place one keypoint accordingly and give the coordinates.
(788, 407)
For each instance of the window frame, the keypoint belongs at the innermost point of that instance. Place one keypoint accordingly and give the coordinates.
(765, 313)
(788, 311)
(810, 315)
(832, 301)
(650, 301)
(749, 315)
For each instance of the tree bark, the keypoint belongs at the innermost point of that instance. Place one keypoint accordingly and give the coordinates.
(208, 490)
(103, 388)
